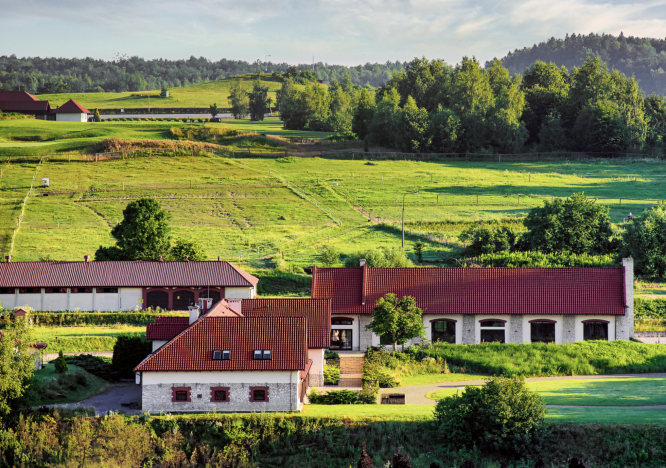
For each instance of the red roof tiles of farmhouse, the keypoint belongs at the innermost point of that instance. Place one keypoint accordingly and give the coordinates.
(317, 311)
(71, 107)
(122, 274)
(24, 106)
(17, 96)
(192, 350)
(166, 329)
(594, 291)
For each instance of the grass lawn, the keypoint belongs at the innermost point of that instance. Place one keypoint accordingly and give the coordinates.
(48, 334)
(605, 416)
(67, 388)
(425, 379)
(592, 392)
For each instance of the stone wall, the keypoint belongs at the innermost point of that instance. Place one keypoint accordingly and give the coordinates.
(365, 338)
(515, 329)
(156, 398)
(624, 325)
(469, 329)
(568, 329)
(316, 380)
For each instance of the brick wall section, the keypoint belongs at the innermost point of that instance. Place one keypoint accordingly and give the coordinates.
(365, 338)
(469, 329)
(568, 329)
(351, 364)
(624, 324)
(157, 398)
(516, 329)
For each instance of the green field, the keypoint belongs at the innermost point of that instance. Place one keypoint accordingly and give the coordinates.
(68, 390)
(591, 392)
(196, 95)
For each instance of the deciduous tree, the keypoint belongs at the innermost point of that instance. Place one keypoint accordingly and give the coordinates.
(645, 242)
(398, 318)
(17, 364)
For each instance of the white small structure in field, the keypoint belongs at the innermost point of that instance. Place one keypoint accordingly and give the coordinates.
(45, 181)
(71, 111)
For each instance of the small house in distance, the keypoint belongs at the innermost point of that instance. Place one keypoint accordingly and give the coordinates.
(71, 111)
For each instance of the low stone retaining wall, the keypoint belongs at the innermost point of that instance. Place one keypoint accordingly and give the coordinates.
(650, 334)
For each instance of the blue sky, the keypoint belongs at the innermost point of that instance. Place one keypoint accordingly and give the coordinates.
(335, 31)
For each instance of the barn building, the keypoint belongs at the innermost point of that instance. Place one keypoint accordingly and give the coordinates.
(24, 103)
(117, 286)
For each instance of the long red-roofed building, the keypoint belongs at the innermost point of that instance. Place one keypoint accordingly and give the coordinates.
(22, 102)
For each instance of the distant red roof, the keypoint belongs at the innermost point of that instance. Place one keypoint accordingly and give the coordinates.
(25, 106)
(317, 311)
(122, 274)
(70, 107)
(593, 291)
(17, 96)
(192, 350)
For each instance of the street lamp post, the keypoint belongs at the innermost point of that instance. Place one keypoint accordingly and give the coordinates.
(403, 218)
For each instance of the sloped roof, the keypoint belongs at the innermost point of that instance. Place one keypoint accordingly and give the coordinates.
(17, 96)
(25, 106)
(166, 328)
(593, 291)
(122, 274)
(317, 311)
(71, 107)
(192, 350)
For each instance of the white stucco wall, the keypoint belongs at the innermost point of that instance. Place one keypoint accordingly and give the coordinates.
(107, 301)
(71, 117)
(247, 377)
(81, 301)
(239, 293)
(478, 318)
(157, 344)
(354, 327)
(31, 300)
(608, 318)
(427, 318)
(317, 356)
(8, 301)
(130, 298)
(55, 302)
(527, 326)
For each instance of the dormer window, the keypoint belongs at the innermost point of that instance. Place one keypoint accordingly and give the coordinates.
(262, 355)
(221, 355)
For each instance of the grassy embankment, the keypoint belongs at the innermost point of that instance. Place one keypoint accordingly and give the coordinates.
(196, 95)
(74, 385)
(83, 338)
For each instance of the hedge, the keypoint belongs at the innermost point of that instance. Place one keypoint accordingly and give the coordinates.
(82, 344)
(649, 309)
(87, 318)
(542, 260)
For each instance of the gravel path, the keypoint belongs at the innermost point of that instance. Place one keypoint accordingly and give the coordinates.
(112, 400)
(416, 394)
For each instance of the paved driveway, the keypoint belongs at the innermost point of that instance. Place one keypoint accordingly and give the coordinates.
(112, 400)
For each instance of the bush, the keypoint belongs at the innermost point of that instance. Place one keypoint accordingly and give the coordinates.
(333, 397)
(328, 354)
(128, 352)
(381, 257)
(329, 256)
(485, 240)
(77, 318)
(644, 241)
(649, 308)
(368, 395)
(96, 365)
(375, 371)
(331, 375)
(500, 416)
(545, 260)
(61, 364)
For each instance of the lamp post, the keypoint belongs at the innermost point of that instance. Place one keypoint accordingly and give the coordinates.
(403, 218)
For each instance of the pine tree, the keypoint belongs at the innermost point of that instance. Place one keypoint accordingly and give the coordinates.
(97, 117)
(365, 461)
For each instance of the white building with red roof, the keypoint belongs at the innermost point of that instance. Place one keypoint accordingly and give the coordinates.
(71, 111)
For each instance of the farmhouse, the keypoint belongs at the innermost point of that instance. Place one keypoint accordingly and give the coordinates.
(474, 305)
(25, 103)
(71, 111)
(116, 286)
(229, 363)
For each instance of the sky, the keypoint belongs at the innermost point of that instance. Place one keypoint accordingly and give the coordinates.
(346, 32)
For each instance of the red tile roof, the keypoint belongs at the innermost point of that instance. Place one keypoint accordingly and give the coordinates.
(71, 107)
(122, 274)
(25, 106)
(317, 311)
(593, 291)
(165, 331)
(193, 349)
(17, 96)
(172, 320)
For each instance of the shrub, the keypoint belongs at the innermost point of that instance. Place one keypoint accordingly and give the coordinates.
(400, 461)
(381, 257)
(644, 242)
(649, 308)
(333, 397)
(331, 375)
(329, 256)
(368, 395)
(128, 352)
(96, 365)
(365, 461)
(374, 370)
(60, 364)
(328, 354)
(501, 416)
(485, 240)
(545, 260)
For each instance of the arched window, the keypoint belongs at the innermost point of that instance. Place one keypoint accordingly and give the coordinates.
(595, 330)
(156, 299)
(542, 331)
(443, 330)
(182, 299)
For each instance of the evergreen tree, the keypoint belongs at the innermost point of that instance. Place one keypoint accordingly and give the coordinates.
(258, 101)
(96, 116)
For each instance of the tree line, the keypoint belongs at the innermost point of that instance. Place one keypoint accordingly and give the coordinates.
(642, 57)
(63, 75)
(431, 106)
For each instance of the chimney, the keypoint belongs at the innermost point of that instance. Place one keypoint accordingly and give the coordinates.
(362, 262)
(8, 258)
(160, 258)
(194, 314)
(204, 304)
(187, 258)
(218, 259)
(86, 258)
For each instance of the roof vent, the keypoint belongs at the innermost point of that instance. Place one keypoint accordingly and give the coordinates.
(362, 262)
(161, 259)
(219, 259)
(187, 258)
(86, 258)
(8, 258)
(217, 355)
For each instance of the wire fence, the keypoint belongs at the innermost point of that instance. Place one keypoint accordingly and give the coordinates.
(22, 213)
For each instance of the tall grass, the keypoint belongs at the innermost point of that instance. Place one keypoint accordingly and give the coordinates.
(541, 360)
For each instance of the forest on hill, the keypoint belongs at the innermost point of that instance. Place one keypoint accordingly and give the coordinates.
(50, 75)
(642, 57)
